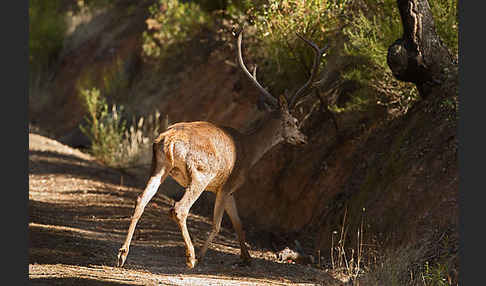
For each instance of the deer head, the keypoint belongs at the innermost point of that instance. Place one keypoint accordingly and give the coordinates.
(287, 125)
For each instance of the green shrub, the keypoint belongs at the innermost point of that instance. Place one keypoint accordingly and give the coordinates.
(105, 128)
(369, 27)
(431, 260)
(436, 275)
(113, 141)
(446, 22)
(370, 30)
(286, 59)
(170, 25)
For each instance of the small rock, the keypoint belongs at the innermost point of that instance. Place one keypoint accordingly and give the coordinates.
(293, 256)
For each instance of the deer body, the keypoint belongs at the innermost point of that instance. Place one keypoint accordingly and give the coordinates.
(202, 156)
(220, 153)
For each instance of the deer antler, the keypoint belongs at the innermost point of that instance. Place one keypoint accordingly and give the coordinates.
(317, 58)
(267, 96)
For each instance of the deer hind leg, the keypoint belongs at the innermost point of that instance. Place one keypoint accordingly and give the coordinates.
(159, 173)
(231, 210)
(181, 210)
(219, 203)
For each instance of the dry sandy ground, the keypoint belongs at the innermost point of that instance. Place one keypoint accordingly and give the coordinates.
(79, 213)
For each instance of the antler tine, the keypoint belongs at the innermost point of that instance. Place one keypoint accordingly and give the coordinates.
(267, 96)
(317, 58)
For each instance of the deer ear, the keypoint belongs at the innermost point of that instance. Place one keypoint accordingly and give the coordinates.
(282, 102)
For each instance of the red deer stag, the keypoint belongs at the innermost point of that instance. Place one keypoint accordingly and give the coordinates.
(201, 156)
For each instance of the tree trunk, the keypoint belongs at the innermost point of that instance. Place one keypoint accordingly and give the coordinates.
(420, 56)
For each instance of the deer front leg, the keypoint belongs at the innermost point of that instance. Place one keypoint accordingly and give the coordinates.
(142, 200)
(231, 210)
(217, 217)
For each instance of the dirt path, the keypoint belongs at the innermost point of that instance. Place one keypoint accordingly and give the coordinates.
(78, 217)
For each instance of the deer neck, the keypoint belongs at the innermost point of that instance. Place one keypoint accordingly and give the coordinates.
(262, 139)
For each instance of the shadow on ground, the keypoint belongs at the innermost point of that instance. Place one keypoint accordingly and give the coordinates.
(84, 236)
(78, 219)
(48, 162)
(74, 281)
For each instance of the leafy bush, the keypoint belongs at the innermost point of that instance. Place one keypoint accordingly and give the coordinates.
(370, 30)
(171, 24)
(369, 27)
(138, 139)
(286, 58)
(373, 28)
(445, 14)
(105, 128)
(431, 260)
(436, 274)
(113, 141)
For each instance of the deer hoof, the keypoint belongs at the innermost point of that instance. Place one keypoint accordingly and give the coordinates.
(191, 262)
(122, 256)
(245, 260)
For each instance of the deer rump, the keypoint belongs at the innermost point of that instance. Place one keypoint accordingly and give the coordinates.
(199, 145)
